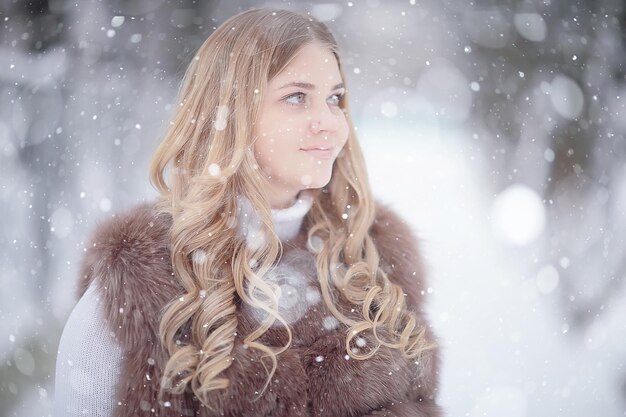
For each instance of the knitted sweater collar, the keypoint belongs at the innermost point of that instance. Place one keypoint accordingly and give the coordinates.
(287, 221)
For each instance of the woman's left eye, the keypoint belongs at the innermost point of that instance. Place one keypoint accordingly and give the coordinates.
(295, 99)
(334, 99)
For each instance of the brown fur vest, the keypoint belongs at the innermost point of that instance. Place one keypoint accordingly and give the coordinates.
(130, 261)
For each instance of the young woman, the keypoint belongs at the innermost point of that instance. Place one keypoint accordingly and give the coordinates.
(266, 281)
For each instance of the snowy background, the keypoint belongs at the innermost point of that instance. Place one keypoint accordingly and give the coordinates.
(497, 128)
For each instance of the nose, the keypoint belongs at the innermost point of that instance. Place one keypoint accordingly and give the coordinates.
(323, 118)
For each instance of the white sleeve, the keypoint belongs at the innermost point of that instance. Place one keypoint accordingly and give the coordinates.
(88, 362)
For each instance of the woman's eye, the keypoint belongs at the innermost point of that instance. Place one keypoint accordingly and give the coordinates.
(334, 99)
(295, 99)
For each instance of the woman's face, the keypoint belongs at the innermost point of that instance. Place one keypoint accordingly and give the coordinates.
(301, 128)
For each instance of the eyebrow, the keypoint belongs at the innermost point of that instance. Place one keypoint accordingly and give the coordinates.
(307, 86)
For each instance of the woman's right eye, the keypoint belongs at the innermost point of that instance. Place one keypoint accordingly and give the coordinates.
(295, 99)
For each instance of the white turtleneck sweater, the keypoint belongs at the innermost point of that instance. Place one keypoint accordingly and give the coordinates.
(89, 359)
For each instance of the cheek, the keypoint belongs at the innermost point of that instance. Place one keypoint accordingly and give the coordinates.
(265, 146)
(343, 131)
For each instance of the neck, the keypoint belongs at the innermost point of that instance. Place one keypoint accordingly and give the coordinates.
(282, 199)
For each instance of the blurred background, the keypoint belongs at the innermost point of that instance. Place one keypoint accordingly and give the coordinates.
(496, 128)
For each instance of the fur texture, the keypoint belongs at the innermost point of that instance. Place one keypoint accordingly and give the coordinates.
(130, 263)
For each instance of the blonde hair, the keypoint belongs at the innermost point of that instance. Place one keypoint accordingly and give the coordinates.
(208, 152)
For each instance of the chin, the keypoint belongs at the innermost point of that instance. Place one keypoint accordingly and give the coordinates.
(319, 182)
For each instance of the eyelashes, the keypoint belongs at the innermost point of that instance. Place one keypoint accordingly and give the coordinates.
(300, 98)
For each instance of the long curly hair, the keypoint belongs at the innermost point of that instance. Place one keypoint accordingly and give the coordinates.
(207, 158)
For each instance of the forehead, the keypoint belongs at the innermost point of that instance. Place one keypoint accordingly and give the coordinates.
(312, 63)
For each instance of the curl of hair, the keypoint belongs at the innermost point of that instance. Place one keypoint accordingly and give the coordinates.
(207, 151)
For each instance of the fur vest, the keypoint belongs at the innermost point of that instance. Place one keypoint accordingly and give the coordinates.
(130, 261)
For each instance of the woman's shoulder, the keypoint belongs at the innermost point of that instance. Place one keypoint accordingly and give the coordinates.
(399, 250)
(391, 229)
(128, 251)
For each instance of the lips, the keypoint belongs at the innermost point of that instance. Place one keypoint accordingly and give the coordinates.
(320, 152)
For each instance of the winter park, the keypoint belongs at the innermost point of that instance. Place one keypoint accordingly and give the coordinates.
(494, 129)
